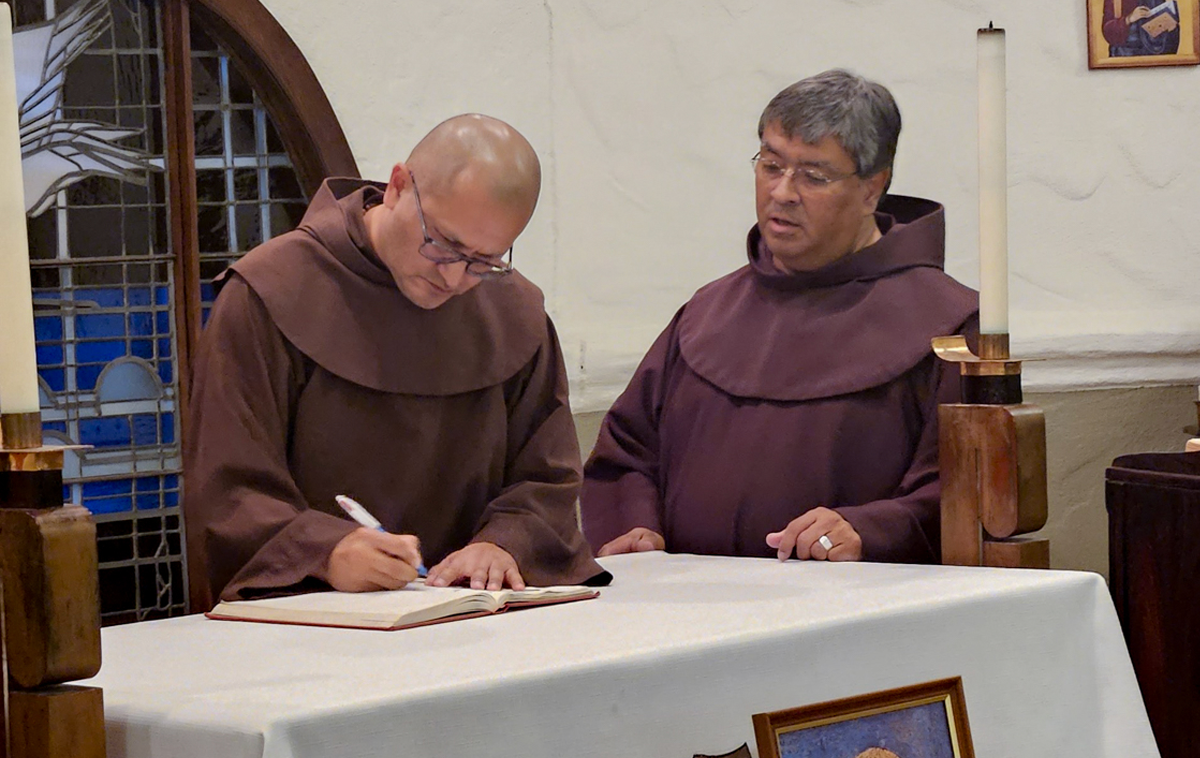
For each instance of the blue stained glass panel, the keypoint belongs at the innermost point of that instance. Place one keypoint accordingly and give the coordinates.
(148, 483)
(100, 325)
(54, 426)
(48, 329)
(106, 487)
(168, 428)
(99, 352)
(139, 296)
(162, 320)
(55, 378)
(105, 432)
(171, 481)
(164, 371)
(151, 502)
(86, 376)
(108, 297)
(145, 429)
(49, 355)
(109, 504)
(170, 498)
(164, 348)
(162, 295)
(141, 323)
(142, 349)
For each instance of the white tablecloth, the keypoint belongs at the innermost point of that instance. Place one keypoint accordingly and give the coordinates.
(671, 660)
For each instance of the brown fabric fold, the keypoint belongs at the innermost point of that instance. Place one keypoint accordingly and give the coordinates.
(814, 332)
(770, 394)
(472, 442)
(346, 314)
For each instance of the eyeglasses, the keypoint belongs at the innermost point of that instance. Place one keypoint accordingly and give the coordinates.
(802, 177)
(439, 253)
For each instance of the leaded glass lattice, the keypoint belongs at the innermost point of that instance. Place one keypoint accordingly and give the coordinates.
(100, 243)
(245, 186)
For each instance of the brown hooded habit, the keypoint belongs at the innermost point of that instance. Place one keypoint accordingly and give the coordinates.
(317, 377)
(773, 393)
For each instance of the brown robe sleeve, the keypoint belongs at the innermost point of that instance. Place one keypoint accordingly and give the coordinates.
(245, 515)
(906, 528)
(534, 518)
(620, 486)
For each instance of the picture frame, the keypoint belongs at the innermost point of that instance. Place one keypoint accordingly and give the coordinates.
(1138, 33)
(927, 719)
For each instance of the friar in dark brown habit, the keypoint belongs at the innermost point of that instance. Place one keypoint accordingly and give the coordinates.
(790, 408)
(386, 350)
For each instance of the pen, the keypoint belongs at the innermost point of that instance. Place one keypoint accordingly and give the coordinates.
(360, 514)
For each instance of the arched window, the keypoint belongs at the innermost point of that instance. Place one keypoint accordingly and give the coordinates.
(160, 141)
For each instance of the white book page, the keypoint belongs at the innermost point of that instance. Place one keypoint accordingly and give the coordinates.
(411, 605)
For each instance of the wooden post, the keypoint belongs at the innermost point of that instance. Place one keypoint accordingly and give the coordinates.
(992, 456)
(49, 605)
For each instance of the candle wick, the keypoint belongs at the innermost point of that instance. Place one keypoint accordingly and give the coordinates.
(991, 27)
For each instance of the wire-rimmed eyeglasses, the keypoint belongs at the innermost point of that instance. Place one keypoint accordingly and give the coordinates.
(802, 177)
(439, 253)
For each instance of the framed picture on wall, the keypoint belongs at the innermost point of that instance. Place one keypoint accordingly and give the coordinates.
(1123, 33)
(927, 720)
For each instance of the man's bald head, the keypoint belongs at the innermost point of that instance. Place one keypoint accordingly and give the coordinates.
(483, 149)
(876, 752)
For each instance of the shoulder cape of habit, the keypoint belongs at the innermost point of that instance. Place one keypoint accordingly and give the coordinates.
(857, 323)
(331, 297)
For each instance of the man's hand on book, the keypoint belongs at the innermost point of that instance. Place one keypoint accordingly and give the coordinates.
(367, 560)
(636, 540)
(486, 565)
(1138, 14)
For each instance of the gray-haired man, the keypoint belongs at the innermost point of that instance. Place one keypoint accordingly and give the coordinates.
(790, 408)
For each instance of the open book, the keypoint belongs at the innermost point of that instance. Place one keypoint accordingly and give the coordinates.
(414, 605)
(1162, 18)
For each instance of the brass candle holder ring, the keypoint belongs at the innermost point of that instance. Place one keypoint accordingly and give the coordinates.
(992, 455)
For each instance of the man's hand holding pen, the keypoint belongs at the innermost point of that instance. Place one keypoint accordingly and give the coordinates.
(367, 560)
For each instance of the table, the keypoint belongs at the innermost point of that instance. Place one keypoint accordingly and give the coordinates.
(671, 660)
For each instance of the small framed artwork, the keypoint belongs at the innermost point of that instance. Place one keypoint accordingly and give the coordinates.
(927, 720)
(1123, 33)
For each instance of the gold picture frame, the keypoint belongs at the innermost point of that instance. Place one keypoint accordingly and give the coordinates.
(927, 719)
(1132, 33)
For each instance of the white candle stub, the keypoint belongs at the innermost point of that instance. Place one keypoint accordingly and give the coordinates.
(18, 362)
(993, 184)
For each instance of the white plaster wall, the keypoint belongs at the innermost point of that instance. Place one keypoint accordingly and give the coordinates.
(645, 112)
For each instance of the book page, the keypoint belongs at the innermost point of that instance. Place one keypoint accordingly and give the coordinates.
(543, 594)
(380, 610)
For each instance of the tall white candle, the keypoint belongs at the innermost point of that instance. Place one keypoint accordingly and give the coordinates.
(18, 363)
(993, 185)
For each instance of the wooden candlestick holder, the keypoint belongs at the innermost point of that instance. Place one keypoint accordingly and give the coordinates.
(992, 455)
(50, 609)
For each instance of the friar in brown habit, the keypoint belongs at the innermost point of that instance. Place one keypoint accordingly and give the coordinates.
(790, 408)
(386, 350)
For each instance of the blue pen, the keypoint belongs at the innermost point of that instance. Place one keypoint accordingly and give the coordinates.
(355, 511)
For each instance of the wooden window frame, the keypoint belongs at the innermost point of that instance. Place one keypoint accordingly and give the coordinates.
(280, 75)
(298, 106)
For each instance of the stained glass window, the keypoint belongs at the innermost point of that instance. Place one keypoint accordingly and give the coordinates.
(245, 186)
(93, 154)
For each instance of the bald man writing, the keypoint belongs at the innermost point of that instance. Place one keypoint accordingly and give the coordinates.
(387, 350)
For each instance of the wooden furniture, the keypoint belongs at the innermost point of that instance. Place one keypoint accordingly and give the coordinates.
(1154, 575)
(992, 457)
(49, 604)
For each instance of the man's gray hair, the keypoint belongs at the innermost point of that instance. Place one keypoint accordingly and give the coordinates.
(860, 114)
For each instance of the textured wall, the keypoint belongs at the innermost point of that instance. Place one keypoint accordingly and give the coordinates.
(644, 114)
(1084, 432)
